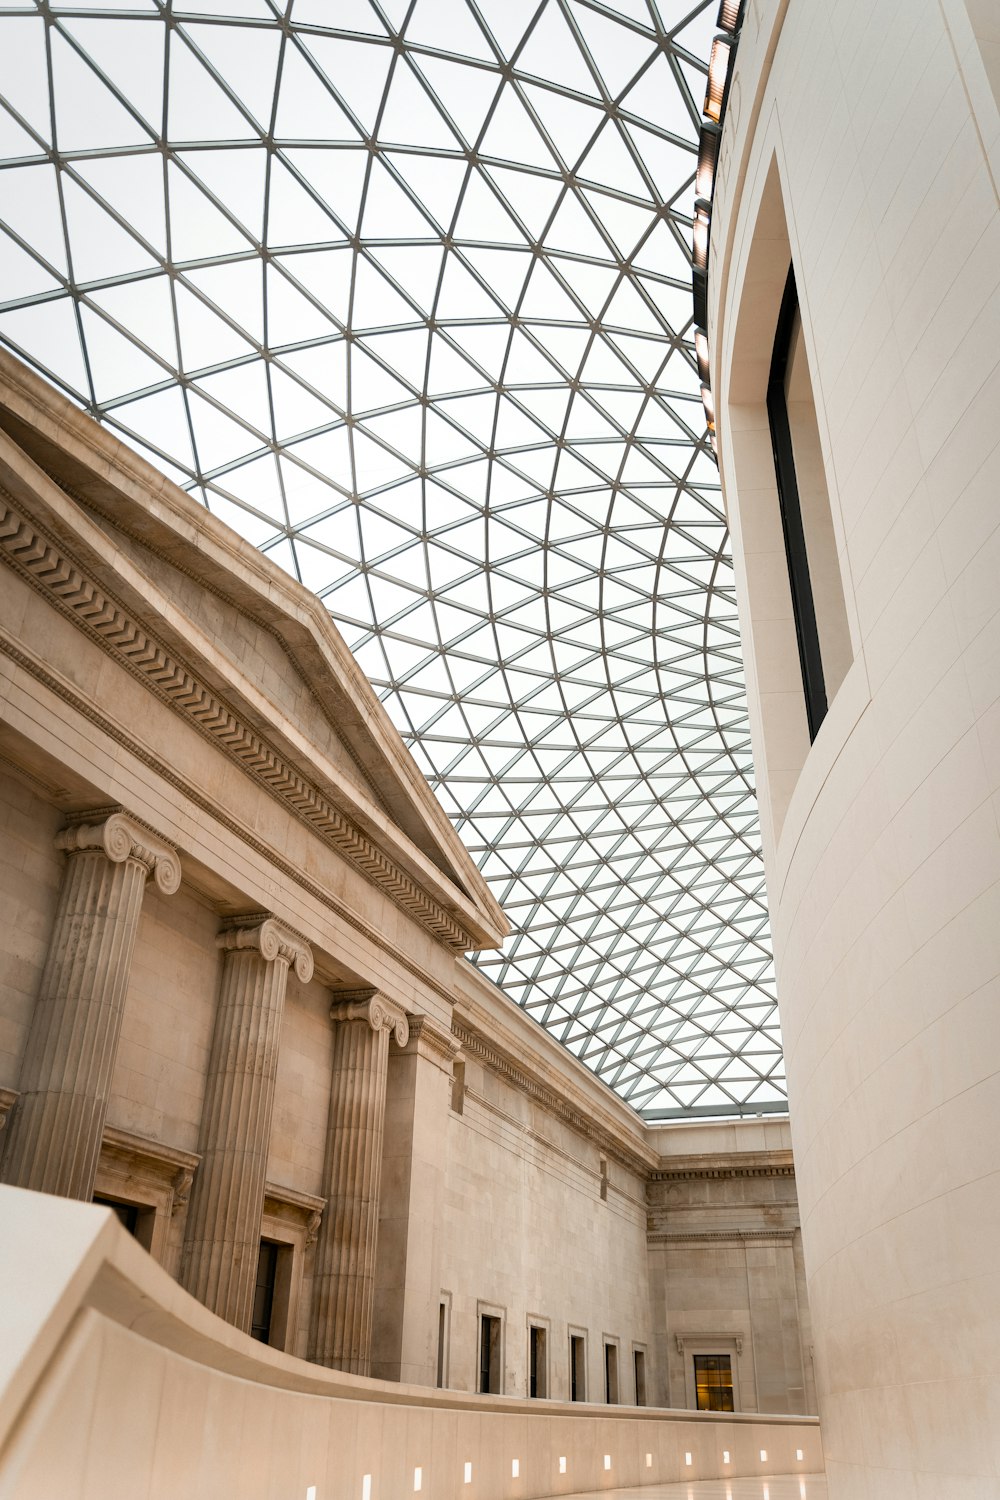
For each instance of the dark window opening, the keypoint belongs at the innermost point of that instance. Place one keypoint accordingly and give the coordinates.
(800, 584)
(137, 1218)
(442, 1327)
(639, 1360)
(489, 1355)
(536, 1362)
(611, 1374)
(263, 1292)
(713, 1382)
(577, 1368)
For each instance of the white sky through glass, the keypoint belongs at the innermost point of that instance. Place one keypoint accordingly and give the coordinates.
(401, 291)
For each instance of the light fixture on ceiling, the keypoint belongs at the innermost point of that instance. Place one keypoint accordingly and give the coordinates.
(708, 156)
(719, 71)
(730, 16)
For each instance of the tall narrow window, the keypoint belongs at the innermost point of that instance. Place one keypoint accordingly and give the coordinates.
(489, 1354)
(611, 1374)
(577, 1368)
(442, 1333)
(537, 1373)
(263, 1292)
(639, 1363)
(713, 1382)
(814, 571)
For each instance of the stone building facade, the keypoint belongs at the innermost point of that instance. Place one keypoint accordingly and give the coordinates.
(235, 1002)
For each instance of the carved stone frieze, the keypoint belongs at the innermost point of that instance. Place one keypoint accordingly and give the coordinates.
(56, 576)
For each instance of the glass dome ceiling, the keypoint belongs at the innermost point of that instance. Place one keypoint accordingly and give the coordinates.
(401, 291)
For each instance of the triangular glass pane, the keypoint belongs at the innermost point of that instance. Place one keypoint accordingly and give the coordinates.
(512, 136)
(410, 115)
(130, 54)
(618, 51)
(205, 339)
(293, 215)
(358, 72)
(246, 58)
(436, 181)
(29, 204)
(448, 26)
(134, 187)
(466, 93)
(47, 332)
(198, 109)
(337, 175)
(306, 107)
(198, 230)
(388, 212)
(117, 365)
(24, 81)
(145, 308)
(235, 178)
(101, 247)
(87, 113)
(20, 273)
(551, 52)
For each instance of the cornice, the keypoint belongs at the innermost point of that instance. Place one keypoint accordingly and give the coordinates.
(53, 573)
(509, 1068)
(713, 1236)
(705, 1167)
(293, 874)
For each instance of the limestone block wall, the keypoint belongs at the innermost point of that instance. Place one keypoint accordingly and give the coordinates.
(863, 144)
(536, 1231)
(726, 1269)
(30, 873)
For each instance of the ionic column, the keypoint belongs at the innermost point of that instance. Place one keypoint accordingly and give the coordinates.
(54, 1138)
(222, 1237)
(345, 1256)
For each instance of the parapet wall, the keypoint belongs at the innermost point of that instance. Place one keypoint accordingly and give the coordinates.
(151, 1395)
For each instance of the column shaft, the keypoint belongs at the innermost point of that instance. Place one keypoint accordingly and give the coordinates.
(54, 1138)
(345, 1258)
(223, 1226)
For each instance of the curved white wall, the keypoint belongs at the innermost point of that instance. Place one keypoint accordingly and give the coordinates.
(864, 139)
(114, 1383)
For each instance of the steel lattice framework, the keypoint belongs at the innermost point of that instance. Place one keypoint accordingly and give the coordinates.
(401, 291)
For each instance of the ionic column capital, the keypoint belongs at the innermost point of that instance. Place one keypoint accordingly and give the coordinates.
(120, 837)
(272, 939)
(372, 1006)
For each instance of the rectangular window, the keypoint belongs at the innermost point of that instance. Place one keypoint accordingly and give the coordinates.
(814, 572)
(137, 1218)
(713, 1382)
(537, 1373)
(263, 1292)
(639, 1364)
(442, 1325)
(489, 1354)
(577, 1367)
(611, 1374)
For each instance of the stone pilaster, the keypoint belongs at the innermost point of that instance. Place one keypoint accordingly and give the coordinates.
(54, 1136)
(222, 1236)
(345, 1257)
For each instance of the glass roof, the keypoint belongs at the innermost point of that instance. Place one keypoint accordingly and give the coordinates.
(400, 289)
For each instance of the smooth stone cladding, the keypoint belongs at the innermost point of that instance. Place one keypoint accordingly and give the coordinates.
(282, 1038)
(862, 143)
